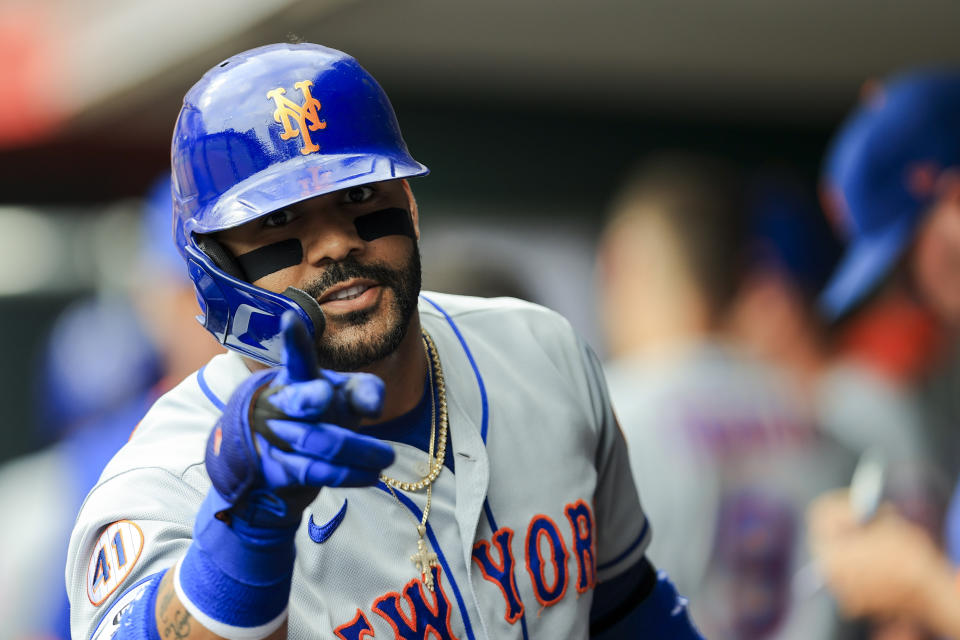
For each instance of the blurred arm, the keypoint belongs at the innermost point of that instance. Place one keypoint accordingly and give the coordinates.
(888, 567)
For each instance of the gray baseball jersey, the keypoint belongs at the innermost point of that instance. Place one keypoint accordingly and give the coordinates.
(541, 508)
(34, 492)
(721, 440)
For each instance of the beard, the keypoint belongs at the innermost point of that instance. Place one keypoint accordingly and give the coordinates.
(367, 336)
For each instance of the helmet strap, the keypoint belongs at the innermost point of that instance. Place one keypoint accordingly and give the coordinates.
(221, 256)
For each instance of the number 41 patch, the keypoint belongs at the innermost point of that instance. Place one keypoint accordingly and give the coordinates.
(114, 556)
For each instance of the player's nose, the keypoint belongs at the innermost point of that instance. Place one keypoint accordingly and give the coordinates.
(331, 237)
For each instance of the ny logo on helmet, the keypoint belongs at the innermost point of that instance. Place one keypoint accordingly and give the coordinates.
(306, 116)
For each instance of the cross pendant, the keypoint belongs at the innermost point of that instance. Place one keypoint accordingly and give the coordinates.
(424, 560)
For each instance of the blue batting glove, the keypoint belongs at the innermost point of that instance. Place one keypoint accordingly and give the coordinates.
(286, 432)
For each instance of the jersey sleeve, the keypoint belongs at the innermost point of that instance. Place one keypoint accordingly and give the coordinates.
(132, 526)
(623, 532)
(139, 518)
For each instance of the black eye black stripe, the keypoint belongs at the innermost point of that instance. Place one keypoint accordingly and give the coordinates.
(271, 258)
(385, 222)
(287, 253)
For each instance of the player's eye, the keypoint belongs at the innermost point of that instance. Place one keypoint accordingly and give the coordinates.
(356, 195)
(279, 218)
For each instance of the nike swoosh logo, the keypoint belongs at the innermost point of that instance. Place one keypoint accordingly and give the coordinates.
(320, 534)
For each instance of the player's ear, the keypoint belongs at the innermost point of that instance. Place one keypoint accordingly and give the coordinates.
(922, 179)
(948, 185)
(412, 202)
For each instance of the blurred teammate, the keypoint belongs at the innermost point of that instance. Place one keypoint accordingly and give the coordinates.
(476, 487)
(104, 364)
(793, 252)
(97, 368)
(790, 252)
(774, 315)
(893, 182)
(890, 186)
(720, 439)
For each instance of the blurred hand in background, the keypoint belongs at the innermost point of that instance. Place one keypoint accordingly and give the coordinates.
(886, 568)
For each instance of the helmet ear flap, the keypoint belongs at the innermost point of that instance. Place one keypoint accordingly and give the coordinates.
(221, 257)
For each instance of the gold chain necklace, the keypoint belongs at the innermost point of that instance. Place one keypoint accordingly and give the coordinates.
(424, 559)
(436, 463)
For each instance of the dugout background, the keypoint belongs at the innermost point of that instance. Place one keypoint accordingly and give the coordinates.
(526, 112)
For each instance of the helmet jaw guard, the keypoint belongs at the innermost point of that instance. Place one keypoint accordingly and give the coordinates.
(243, 317)
(266, 129)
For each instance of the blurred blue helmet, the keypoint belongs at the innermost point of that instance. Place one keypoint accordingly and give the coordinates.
(97, 357)
(260, 131)
(911, 121)
(789, 233)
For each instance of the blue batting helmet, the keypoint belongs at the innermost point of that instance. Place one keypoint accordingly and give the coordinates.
(911, 121)
(788, 232)
(260, 131)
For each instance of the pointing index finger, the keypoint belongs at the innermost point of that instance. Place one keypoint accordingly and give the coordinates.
(299, 357)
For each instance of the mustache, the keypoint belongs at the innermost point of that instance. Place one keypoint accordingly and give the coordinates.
(348, 269)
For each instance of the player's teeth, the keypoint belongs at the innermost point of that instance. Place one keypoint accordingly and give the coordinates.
(349, 292)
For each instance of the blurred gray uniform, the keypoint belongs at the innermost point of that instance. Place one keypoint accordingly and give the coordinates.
(727, 460)
(34, 495)
(542, 489)
(940, 407)
(862, 409)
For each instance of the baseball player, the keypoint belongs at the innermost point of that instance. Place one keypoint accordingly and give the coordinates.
(720, 437)
(466, 480)
(96, 372)
(892, 188)
(892, 176)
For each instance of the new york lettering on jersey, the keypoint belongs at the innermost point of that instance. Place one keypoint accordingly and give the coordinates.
(417, 614)
(544, 552)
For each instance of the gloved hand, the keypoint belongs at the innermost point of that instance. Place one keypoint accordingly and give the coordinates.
(288, 431)
(283, 434)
